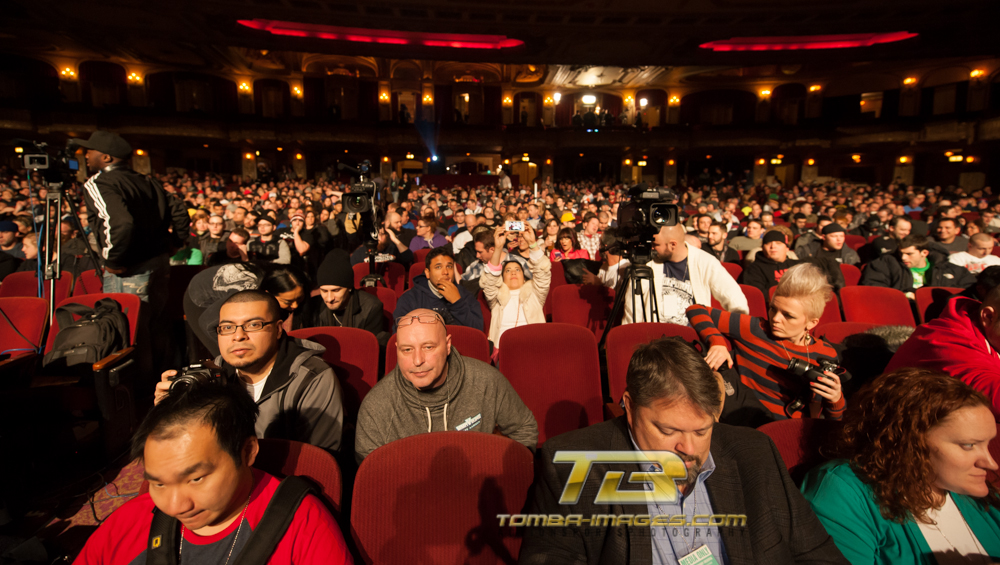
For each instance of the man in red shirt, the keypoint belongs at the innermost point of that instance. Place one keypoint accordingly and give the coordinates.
(198, 446)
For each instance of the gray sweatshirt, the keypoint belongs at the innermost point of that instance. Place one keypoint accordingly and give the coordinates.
(474, 397)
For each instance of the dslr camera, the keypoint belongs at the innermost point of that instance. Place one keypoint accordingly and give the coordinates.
(812, 374)
(196, 373)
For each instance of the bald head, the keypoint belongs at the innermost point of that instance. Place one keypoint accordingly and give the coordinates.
(692, 240)
(669, 244)
(394, 221)
(980, 245)
(422, 348)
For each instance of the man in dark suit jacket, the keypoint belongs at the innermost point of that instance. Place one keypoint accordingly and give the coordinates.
(672, 403)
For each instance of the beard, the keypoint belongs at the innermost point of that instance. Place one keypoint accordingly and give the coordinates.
(692, 473)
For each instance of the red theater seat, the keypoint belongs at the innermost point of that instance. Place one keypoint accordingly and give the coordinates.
(22, 325)
(855, 241)
(799, 441)
(586, 306)
(838, 331)
(734, 270)
(89, 282)
(434, 498)
(621, 344)
(755, 301)
(555, 370)
(394, 275)
(25, 283)
(388, 298)
(876, 305)
(932, 299)
(353, 353)
(851, 273)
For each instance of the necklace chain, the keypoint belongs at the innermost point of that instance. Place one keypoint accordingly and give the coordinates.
(180, 553)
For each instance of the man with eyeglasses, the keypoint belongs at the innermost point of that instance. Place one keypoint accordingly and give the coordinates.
(216, 236)
(298, 394)
(434, 388)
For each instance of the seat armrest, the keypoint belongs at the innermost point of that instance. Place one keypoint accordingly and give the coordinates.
(111, 360)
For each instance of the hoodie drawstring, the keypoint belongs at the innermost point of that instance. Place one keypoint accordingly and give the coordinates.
(427, 408)
(428, 419)
(445, 416)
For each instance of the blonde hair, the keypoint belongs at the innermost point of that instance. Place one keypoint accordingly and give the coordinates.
(806, 283)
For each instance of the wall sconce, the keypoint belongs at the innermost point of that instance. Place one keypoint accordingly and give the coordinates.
(775, 161)
(948, 153)
(409, 156)
(385, 159)
(674, 101)
(384, 98)
(245, 87)
(298, 156)
(257, 153)
(970, 159)
(248, 156)
(68, 74)
(909, 81)
(557, 97)
(548, 161)
(955, 158)
(588, 99)
(581, 154)
(140, 152)
(904, 160)
(708, 156)
(671, 163)
(506, 161)
(641, 163)
(629, 99)
(428, 159)
(815, 88)
(297, 91)
(761, 162)
(628, 161)
(134, 78)
(508, 101)
(978, 73)
(643, 102)
(856, 158)
(280, 149)
(780, 156)
(428, 99)
(811, 162)
(765, 93)
(548, 101)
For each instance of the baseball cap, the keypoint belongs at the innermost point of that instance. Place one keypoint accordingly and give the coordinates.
(8, 225)
(105, 142)
(773, 236)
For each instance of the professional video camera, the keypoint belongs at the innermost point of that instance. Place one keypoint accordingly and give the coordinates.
(194, 374)
(365, 201)
(60, 167)
(363, 193)
(641, 218)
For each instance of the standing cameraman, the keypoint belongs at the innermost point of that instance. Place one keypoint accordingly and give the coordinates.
(131, 219)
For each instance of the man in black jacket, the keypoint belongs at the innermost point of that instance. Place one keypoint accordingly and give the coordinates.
(672, 404)
(339, 304)
(718, 247)
(131, 218)
(766, 271)
(918, 262)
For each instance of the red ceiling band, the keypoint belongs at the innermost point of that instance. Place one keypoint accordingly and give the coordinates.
(383, 36)
(806, 41)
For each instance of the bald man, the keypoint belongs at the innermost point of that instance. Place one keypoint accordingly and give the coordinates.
(978, 255)
(434, 388)
(962, 342)
(683, 275)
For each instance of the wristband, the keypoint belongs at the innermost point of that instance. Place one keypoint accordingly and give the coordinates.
(533, 245)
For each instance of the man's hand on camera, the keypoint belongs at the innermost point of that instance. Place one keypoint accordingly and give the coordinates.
(163, 387)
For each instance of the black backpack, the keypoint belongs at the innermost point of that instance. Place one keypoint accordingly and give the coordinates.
(99, 332)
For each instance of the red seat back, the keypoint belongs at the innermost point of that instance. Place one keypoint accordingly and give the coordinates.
(25, 283)
(755, 300)
(558, 279)
(838, 331)
(420, 255)
(388, 298)
(555, 370)
(484, 306)
(799, 441)
(734, 270)
(284, 458)
(353, 353)
(831, 312)
(876, 305)
(851, 274)
(393, 273)
(915, 214)
(28, 316)
(621, 344)
(88, 283)
(926, 296)
(586, 305)
(130, 304)
(470, 342)
(434, 498)
(854, 241)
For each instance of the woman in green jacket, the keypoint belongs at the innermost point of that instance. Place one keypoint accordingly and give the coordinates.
(909, 482)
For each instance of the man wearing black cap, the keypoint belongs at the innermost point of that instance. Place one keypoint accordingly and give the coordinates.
(9, 242)
(766, 271)
(829, 253)
(267, 247)
(131, 219)
(338, 303)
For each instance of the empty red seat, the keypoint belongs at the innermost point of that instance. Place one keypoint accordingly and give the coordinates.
(555, 370)
(388, 298)
(836, 332)
(393, 273)
(799, 441)
(931, 300)
(353, 353)
(734, 270)
(420, 255)
(876, 305)
(585, 305)
(22, 325)
(622, 342)
(89, 282)
(25, 283)
(434, 498)
(854, 241)
(755, 300)
(851, 274)
(470, 342)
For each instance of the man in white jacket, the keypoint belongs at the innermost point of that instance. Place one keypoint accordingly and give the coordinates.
(683, 275)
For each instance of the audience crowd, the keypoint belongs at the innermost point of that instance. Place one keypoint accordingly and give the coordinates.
(906, 479)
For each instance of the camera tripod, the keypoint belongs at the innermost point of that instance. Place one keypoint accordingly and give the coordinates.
(633, 278)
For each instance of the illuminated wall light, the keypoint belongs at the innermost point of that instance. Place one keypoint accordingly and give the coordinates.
(780, 156)
(385, 159)
(581, 154)
(811, 162)
(525, 155)
(508, 101)
(134, 78)
(384, 97)
(628, 161)
(428, 159)
(909, 81)
(761, 162)
(629, 99)
(548, 161)
(641, 163)
(970, 159)
(298, 156)
(297, 91)
(671, 163)
(409, 155)
(248, 156)
(862, 102)
(708, 156)
(977, 73)
(68, 73)
(19, 150)
(206, 146)
(548, 101)
(258, 153)
(904, 159)
(280, 149)
(955, 158)
(589, 99)
(856, 158)
(815, 88)
(468, 154)
(948, 153)
(674, 101)
(140, 152)
(643, 102)
(428, 99)
(557, 97)
(244, 87)
(775, 161)
(506, 161)
(765, 93)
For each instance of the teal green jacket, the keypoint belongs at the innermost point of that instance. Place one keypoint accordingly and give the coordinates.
(847, 508)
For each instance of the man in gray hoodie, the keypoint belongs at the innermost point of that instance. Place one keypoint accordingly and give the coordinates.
(298, 394)
(435, 388)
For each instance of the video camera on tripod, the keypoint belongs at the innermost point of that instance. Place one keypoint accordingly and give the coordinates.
(365, 200)
(58, 168)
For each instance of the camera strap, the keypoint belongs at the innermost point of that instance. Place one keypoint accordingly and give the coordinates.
(164, 532)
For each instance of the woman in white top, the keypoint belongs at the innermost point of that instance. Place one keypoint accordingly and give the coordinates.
(513, 301)
(913, 481)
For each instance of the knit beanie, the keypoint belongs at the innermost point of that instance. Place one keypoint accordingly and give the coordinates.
(336, 270)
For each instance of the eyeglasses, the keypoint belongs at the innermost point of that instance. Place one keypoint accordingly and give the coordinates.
(249, 327)
(404, 321)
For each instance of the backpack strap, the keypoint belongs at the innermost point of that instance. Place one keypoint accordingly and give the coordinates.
(277, 517)
(162, 546)
(64, 314)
